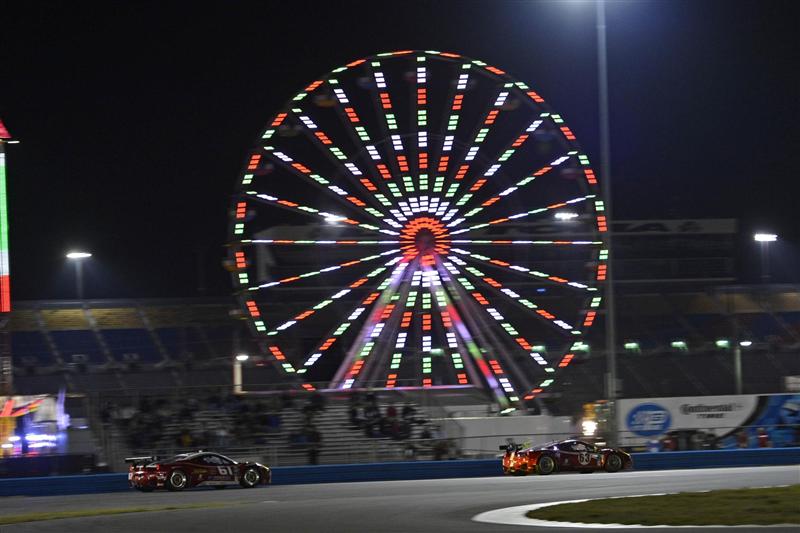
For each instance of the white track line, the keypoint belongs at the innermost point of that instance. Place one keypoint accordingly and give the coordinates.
(516, 516)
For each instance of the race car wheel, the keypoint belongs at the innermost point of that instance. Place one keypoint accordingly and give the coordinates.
(250, 478)
(613, 463)
(177, 480)
(545, 465)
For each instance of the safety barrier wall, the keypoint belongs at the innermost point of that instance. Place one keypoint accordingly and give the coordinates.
(58, 485)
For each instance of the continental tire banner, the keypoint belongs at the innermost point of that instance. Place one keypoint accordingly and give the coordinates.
(778, 415)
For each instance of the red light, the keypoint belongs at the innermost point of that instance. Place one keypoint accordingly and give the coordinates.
(567, 133)
(545, 314)
(368, 185)
(493, 283)
(589, 318)
(305, 314)
(277, 353)
(601, 272)
(590, 177)
(402, 163)
(359, 283)
(351, 114)
(313, 86)
(241, 262)
(302, 168)
(478, 185)
(241, 210)
(371, 298)
(426, 382)
(521, 139)
(327, 344)
(309, 387)
(423, 160)
(443, 163)
(495, 70)
(278, 120)
(355, 63)
(490, 201)
(564, 362)
(252, 308)
(462, 171)
(462, 379)
(490, 118)
(385, 174)
(535, 97)
(480, 299)
(406, 319)
(457, 101)
(356, 201)
(255, 159)
(421, 96)
(601, 223)
(522, 342)
(386, 102)
(323, 138)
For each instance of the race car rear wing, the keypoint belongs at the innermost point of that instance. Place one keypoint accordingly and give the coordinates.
(136, 461)
(510, 447)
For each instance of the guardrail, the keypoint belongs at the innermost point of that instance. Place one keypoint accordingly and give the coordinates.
(289, 475)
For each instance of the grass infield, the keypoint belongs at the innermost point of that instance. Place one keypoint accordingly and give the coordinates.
(779, 505)
(54, 515)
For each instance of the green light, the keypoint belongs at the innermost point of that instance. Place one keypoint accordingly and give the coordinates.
(722, 343)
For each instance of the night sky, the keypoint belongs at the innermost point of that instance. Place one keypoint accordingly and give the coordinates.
(135, 118)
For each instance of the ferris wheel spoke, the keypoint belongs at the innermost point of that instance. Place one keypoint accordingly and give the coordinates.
(340, 329)
(526, 304)
(361, 281)
(325, 270)
(348, 242)
(457, 175)
(359, 135)
(505, 242)
(305, 173)
(330, 218)
(508, 191)
(369, 336)
(464, 316)
(520, 270)
(337, 157)
(524, 214)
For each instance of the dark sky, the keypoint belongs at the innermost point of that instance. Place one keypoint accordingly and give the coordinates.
(135, 117)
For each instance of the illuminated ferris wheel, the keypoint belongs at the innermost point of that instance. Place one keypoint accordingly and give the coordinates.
(419, 219)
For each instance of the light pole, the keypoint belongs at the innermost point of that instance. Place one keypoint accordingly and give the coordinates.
(77, 258)
(605, 165)
(764, 239)
(237, 372)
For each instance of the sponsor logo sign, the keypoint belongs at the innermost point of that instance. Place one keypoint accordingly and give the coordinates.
(648, 419)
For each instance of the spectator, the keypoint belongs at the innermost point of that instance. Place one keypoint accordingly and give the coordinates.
(317, 402)
(185, 439)
(314, 440)
(763, 439)
(743, 439)
(408, 411)
(391, 411)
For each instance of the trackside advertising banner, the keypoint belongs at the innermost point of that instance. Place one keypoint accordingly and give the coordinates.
(650, 419)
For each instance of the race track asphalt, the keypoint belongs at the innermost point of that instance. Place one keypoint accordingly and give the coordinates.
(393, 506)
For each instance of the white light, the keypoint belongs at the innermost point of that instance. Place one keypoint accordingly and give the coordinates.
(589, 427)
(765, 237)
(242, 357)
(746, 343)
(6, 445)
(566, 216)
(78, 255)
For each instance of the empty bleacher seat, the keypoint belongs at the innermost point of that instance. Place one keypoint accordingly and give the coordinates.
(80, 342)
(131, 341)
(27, 346)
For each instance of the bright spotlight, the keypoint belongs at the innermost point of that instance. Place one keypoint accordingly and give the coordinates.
(564, 216)
(765, 237)
(78, 255)
(242, 357)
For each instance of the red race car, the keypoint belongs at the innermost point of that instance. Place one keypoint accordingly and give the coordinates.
(192, 469)
(563, 455)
